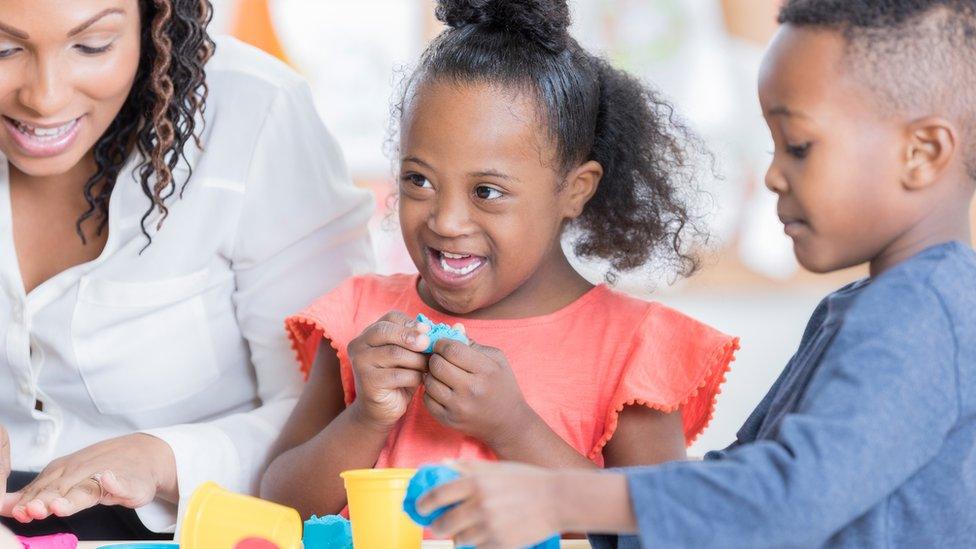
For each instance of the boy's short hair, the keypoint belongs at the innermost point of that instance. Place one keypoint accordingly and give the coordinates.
(917, 55)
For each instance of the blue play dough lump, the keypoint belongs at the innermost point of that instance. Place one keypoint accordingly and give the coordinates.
(440, 331)
(328, 532)
(431, 476)
(424, 480)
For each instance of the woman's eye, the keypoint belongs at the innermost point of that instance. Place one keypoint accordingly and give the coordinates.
(487, 193)
(798, 151)
(417, 180)
(93, 50)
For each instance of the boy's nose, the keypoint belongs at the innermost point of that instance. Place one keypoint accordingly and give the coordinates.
(775, 181)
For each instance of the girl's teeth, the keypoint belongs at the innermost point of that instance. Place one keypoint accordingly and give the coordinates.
(454, 256)
(463, 270)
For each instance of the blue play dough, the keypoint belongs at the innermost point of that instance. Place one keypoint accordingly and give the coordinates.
(328, 532)
(431, 476)
(426, 479)
(440, 331)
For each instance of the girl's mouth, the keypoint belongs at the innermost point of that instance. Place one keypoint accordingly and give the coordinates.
(454, 268)
(42, 141)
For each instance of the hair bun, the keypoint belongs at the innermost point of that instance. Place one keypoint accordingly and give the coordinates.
(545, 22)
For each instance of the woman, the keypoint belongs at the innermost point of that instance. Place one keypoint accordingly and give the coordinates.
(163, 204)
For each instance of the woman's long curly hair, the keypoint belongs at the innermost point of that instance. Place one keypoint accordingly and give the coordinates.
(159, 117)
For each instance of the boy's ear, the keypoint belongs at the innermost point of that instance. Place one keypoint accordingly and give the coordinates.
(931, 148)
(581, 185)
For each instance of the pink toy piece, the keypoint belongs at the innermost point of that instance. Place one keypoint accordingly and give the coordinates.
(56, 541)
(255, 543)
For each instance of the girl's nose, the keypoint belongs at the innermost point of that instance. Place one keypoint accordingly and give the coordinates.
(450, 216)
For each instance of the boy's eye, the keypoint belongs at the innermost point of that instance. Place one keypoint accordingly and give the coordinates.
(93, 50)
(487, 193)
(417, 180)
(798, 151)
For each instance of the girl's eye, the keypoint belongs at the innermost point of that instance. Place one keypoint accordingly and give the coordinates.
(417, 180)
(7, 52)
(92, 50)
(487, 193)
(798, 151)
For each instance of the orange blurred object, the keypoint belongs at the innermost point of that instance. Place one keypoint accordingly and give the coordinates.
(252, 23)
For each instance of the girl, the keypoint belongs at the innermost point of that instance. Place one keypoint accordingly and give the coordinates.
(510, 133)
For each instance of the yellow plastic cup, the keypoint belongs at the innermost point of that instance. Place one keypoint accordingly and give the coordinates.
(219, 519)
(376, 509)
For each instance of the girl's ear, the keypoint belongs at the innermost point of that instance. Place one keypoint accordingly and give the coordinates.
(581, 185)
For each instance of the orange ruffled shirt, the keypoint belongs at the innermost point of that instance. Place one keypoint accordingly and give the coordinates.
(577, 367)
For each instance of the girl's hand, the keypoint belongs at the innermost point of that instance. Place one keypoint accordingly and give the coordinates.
(472, 389)
(500, 505)
(388, 364)
(130, 471)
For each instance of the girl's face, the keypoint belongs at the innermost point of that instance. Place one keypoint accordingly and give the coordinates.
(66, 69)
(481, 205)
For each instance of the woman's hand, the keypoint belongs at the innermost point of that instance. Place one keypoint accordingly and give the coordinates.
(471, 388)
(131, 471)
(499, 505)
(389, 365)
(4, 464)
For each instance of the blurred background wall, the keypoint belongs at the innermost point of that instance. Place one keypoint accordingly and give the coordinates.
(703, 54)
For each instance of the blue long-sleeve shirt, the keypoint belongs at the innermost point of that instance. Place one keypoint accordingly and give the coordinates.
(867, 439)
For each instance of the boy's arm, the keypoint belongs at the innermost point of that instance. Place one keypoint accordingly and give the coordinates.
(877, 411)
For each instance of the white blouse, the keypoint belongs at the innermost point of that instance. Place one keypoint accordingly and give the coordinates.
(185, 341)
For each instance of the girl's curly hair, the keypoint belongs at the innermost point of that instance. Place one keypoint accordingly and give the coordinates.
(593, 111)
(160, 114)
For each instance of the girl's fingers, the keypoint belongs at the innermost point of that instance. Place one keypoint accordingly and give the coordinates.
(445, 372)
(444, 495)
(439, 391)
(436, 409)
(401, 378)
(384, 333)
(395, 356)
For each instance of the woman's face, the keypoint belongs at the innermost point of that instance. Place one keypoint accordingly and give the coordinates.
(66, 69)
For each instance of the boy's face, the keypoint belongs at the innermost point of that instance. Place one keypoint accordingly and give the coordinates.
(838, 159)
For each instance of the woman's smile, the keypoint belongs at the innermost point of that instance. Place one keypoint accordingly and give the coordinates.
(43, 140)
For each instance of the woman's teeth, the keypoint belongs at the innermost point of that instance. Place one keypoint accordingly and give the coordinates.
(44, 134)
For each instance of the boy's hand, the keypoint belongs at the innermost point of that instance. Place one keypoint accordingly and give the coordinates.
(388, 364)
(472, 389)
(500, 505)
